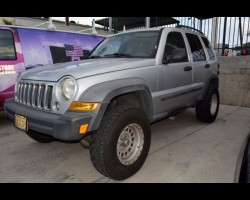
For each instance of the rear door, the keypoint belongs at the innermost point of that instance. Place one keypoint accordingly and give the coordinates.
(211, 65)
(200, 65)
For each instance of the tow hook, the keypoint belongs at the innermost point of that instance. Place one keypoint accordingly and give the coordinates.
(85, 142)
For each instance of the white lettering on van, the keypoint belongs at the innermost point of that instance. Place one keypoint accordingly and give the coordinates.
(7, 69)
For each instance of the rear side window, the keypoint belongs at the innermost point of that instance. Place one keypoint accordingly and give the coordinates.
(7, 47)
(197, 50)
(209, 48)
(174, 41)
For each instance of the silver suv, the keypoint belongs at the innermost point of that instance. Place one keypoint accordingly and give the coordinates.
(109, 100)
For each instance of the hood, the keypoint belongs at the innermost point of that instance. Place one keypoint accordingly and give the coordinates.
(84, 68)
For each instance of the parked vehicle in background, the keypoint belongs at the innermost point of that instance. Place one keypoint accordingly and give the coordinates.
(242, 174)
(245, 52)
(23, 48)
(129, 81)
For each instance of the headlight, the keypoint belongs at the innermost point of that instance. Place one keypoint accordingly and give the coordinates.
(67, 87)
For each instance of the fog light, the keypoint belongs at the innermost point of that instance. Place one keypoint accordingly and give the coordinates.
(83, 128)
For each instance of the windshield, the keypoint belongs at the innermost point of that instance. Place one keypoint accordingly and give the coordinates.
(142, 44)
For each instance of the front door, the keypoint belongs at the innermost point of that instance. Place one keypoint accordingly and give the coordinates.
(174, 78)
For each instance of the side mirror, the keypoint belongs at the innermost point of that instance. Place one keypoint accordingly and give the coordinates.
(177, 55)
(166, 59)
(86, 54)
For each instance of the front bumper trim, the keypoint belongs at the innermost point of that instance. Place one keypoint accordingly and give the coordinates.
(63, 127)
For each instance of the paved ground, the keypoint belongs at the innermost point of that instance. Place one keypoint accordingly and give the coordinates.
(182, 150)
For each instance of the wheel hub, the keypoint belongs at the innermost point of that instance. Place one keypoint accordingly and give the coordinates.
(130, 144)
(213, 104)
(126, 143)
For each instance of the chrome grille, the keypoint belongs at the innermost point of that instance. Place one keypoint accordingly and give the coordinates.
(37, 95)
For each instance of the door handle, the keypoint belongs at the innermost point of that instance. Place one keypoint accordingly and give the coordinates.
(187, 68)
(207, 66)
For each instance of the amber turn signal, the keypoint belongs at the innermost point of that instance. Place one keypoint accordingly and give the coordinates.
(83, 128)
(83, 106)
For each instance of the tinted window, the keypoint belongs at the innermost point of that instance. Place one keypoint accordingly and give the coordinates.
(198, 53)
(7, 48)
(209, 48)
(174, 41)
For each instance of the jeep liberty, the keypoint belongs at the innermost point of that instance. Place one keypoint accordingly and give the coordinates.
(108, 101)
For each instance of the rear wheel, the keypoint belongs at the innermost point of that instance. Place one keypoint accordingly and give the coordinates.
(39, 137)
(207, 109)
(121, 144)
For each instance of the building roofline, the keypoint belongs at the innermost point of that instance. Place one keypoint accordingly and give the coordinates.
(58, 21)
(44, 29)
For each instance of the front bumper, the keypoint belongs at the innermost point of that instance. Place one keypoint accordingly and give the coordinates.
(63, 127)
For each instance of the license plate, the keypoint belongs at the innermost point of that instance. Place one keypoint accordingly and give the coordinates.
(21, 122)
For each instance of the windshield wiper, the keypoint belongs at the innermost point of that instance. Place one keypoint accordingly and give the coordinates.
(92, 57)
(118, 55)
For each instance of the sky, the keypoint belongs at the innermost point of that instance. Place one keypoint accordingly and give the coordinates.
(81, 20)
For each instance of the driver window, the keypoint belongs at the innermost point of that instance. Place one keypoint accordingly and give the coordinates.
(174, 41)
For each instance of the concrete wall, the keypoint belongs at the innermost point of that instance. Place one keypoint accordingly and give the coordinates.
(235, 80)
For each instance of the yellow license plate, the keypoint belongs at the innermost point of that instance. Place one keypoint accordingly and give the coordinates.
(21, 122)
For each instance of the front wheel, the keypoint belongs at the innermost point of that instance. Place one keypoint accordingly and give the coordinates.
(120, 146)
(207, 109)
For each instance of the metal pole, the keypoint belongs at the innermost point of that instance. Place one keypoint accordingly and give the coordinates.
(214, 32)
(110, 24)
(200, 25)
(147, 22)
(240, 29)
(224, 36)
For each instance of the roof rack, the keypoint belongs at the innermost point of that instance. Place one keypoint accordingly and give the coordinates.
(188, 27)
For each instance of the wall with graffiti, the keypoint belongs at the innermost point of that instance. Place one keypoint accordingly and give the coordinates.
(48, 47)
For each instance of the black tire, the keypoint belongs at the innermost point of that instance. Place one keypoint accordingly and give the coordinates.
(248, 170)
(244, 175)
(203, 107)
(104, 148)
(39, 137)
(248, 162)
